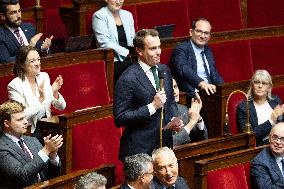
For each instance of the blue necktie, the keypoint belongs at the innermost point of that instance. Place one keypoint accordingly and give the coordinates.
(205, 67)
(282, 161)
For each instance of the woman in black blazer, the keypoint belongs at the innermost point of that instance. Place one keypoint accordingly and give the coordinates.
(265, 109)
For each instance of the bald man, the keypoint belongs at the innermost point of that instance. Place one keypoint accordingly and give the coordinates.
(268, 166)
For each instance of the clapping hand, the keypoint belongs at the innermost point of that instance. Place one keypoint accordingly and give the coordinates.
(52, 144)
(56, 86)
(46, 43)
(277, 111)
(176, 124)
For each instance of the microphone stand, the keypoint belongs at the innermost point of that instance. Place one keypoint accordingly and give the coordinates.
(226, 124)
(161, 78)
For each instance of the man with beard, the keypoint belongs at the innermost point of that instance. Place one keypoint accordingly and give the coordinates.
(267, 168)
(192, 62)
(15, 33)
(138, 100)
(166, 170)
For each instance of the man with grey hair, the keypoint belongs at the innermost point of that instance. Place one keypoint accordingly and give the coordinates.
(267, 168)
(138, 172)
(91, 181)
(166, 170)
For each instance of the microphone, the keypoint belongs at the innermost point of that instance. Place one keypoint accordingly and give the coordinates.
(161, 76)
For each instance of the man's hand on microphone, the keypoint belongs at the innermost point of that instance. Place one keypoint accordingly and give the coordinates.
(159, 99)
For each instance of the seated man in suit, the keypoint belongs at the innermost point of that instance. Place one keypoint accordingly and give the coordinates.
(15, 33)
(267, 168)
(192, 62)
(166, 170)
(23, 159)
(138, 172)
(194, 129)
(91, 181)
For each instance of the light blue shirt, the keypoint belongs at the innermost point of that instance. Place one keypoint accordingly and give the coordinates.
(200, 68)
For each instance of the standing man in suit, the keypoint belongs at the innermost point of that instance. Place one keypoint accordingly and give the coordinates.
(138, 99)
(192, 62)
(23, 159)
(166, 170)
(267, 168)
(138, 172)
(14, 33)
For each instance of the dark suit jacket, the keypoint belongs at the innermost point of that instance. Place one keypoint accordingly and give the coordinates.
(180, 184)
(195, 134)
(183, 65)
(265, 173)
(133, 92)
(261, 130)
(17, 170)
(9, 44)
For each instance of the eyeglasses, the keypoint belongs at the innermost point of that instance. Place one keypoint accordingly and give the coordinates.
(150, 173)
(163, 169)
(14, 12)
(200, 32)
(258, 83)
(275, 138)
(32, 61)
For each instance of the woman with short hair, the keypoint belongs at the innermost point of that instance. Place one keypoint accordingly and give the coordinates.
(265, 109)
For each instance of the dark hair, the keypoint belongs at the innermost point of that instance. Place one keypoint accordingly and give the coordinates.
(138, 40)
(23, 52)
(5, 3)
(193, 24)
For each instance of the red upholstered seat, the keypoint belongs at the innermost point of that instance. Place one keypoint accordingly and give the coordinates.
(279, 91)
(27, 3)
(233, 60)
(85, 85)
(166, 56)
(227, 178)
(234, 101)
(3, 87)
(247, 173)
(224, 15)
(263, 13)
(96, 143)
(89, 15)
(153, 14)
(267, 53)
(53, 25)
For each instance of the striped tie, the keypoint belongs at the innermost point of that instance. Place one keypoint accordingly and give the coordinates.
(20, 39)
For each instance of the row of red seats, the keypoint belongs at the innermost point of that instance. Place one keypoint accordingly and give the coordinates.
(225, 15)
